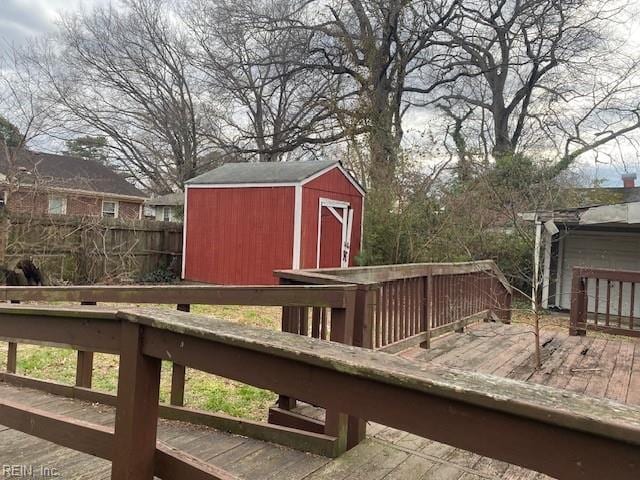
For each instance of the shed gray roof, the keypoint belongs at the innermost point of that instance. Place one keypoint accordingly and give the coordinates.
(271, 172)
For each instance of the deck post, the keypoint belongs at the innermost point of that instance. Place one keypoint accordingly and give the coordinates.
(12, 357)
(284, 402)
(84, 369)
(364, 310)
(84, 363)
(137, 409)
(178, 372)
(578, 318)
(337, 423)
(428, 310)
(12, 352)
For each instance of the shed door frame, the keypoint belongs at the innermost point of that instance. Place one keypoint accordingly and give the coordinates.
(345, 219)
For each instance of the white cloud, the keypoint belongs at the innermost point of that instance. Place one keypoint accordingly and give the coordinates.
(23, 19)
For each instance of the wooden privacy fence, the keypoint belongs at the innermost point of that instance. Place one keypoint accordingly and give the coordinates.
(85, 250)
(552, 431)
(403, 305)
(605, 300)
(338, 299)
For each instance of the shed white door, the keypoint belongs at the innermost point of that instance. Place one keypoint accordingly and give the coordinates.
(335, 220)
(615, 250)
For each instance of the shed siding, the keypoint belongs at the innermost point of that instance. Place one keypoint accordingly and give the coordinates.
(238, 235)
(335, 186)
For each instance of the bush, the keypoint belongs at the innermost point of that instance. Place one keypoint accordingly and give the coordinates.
(160, 275)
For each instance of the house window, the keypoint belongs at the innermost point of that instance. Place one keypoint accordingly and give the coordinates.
(109, 208)
(166, 214)
(57, 206)
(149, 211)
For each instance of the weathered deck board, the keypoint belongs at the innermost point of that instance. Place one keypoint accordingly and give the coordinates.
(598, 366)
(390, 454)
(576, 363)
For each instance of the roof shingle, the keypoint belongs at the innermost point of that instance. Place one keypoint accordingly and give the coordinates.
(63, 171)
(268, 172)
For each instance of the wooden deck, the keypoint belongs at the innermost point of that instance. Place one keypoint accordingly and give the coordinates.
(387, 454)
(594, 365)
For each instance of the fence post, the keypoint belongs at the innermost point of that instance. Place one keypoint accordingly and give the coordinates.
(178, 372)
(134, 444)
(578, 318)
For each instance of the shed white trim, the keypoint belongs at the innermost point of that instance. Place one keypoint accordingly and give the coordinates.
(346, 174)
(344, 221)
(297, 228)
(244, 185)
(184, 232)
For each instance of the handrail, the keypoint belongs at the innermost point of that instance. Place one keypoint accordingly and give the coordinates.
(380, 273)
(596, 303)
(298, 295)
(399, 306)
(552, 431)
(329, 297)
(608, 274)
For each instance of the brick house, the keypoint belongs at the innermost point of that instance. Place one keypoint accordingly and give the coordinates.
(64, 185)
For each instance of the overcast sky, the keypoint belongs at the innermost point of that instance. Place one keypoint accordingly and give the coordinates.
(20, 19)
(23, 19)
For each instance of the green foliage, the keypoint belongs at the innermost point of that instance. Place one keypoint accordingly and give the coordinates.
(515, 172)
(10, 133)
(396, 218)
(455, 220)
(88, 147)
(160, 275)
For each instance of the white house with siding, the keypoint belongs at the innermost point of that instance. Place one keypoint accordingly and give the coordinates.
(602, 231)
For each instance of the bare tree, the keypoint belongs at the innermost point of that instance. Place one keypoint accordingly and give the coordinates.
(25, 105)
(541, 76)
(125, 74)
(273, 106)
(377, 46)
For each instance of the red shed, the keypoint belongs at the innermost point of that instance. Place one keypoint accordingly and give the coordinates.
(245, 220)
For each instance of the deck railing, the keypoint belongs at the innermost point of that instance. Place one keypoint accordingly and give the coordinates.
(338, 300)
(403, 305)
(605, 300)
(552, 431)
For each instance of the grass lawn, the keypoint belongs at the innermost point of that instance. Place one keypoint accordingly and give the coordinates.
(202, 391)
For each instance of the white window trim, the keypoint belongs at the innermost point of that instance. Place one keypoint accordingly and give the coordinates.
(116, 209)
(57, 197)
(167, 208)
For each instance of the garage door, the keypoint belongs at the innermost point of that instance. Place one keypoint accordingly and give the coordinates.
(618, 251)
